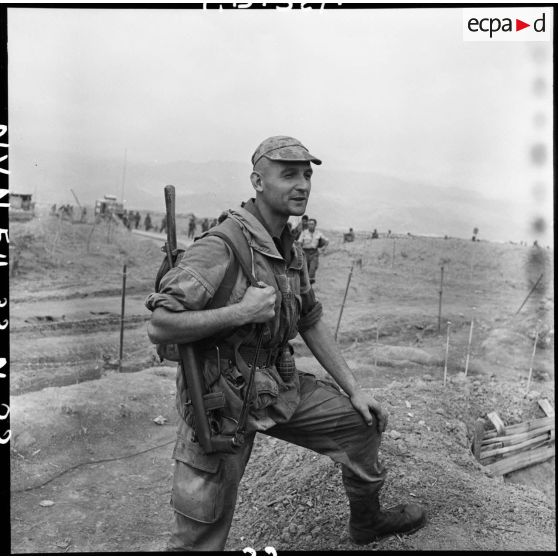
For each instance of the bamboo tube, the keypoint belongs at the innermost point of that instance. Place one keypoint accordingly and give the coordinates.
(525, 459)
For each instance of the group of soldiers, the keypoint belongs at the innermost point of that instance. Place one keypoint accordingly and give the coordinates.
(130, 219)
(67, 211)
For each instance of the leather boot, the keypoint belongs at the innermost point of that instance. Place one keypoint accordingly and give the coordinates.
(369, 522)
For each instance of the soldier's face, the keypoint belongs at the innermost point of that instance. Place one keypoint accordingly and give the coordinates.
(285, 186)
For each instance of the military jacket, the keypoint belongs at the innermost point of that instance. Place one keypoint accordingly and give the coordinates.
(193, 283)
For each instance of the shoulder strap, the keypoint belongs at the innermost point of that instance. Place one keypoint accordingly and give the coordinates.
(230, 232)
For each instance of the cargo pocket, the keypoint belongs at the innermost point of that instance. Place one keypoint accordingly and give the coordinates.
(197, 492)
(266, 387)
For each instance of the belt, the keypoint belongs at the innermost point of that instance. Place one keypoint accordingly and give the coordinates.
(266, 357)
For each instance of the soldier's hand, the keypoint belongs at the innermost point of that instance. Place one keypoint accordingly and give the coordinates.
(258, 304)
(367, 406)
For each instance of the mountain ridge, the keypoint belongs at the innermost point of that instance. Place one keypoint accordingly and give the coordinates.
(339, 199)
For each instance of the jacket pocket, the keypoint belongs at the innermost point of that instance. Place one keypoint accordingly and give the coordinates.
(197, 492)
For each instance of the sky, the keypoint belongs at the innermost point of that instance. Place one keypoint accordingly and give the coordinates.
(393, 91)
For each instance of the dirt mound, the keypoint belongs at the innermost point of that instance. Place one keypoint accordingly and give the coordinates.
(426, 450)
(93, 452)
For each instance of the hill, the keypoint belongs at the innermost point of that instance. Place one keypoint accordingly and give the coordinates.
(339, 200)
(92, 470)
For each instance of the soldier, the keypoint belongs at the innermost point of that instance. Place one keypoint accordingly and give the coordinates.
(311, 241)
(302, 226)
(286, 403)
(147, 222)
(350, 236)
(192, 226)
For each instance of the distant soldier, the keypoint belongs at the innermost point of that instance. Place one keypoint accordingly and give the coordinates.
(350, 236)
(375, 234)
(302, 226)
(163, 224)
(312, 240)
(192, 227)
(83, 214)
(137, 219)
(205, 225)
(53, 209)
(147, 222)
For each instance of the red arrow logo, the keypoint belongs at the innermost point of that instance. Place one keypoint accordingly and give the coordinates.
(519, 25)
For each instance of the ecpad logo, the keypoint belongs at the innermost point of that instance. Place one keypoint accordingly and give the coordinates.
(507, 24)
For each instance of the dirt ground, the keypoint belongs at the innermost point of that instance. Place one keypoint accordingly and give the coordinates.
(92, 470)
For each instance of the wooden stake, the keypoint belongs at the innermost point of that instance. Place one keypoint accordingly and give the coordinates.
(344, 299)
(529, 294)
(532, 360)
(440, 302)
(122, 318)
(447, 352)
(469, 345)
(377, 343)
(109, 225)
(393, 254)
(90, 235)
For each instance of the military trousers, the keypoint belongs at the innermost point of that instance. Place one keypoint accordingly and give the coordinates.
(205, 486)
(312, 261)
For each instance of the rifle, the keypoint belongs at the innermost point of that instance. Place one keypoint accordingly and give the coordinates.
(191, 370)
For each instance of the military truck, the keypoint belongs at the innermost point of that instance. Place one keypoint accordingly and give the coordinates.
(109, 205)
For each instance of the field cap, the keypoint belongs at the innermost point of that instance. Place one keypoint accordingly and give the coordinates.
(283, 148)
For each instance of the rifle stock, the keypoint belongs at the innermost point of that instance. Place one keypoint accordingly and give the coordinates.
(188, 358)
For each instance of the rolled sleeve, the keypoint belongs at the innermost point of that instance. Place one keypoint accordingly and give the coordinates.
(194, 281)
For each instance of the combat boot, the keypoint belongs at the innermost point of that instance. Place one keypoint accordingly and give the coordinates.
(370, 522)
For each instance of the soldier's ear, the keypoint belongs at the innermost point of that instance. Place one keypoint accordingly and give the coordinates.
(256, 179)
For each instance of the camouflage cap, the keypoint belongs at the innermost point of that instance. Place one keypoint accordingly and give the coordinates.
(283, 148)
